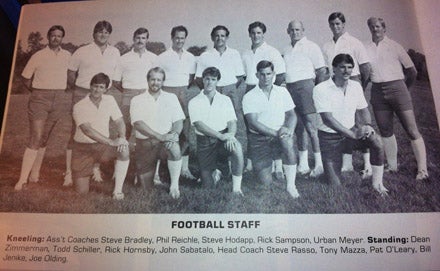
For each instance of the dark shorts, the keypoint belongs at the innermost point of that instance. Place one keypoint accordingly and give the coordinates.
(84, 155)
(332, 145)
(391, 96)
(182, 94)
(232, 92)
(211, 153)
(302, 95)
(78, 94)
(263, 149)
(48, 104)
(147, 152)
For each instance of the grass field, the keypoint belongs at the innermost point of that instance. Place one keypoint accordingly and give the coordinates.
(353, 196)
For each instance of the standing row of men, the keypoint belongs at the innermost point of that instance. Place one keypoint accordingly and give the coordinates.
(262, 66)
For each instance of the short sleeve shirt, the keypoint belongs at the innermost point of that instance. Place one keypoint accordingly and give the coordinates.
(264, 52)
(158, 114)
(346, 44)
(216, 115)
(177, 67)
(132, 69)
(270, 111)
(89, 61)
(329, 98)
(86, 112)
(387, 59)
(229, 63)
(48, 68)
(302, 60)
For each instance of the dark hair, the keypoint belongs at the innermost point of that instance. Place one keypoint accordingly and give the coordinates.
(257, 24)
(372, 19)
(100, 78)
(264, 64)
(55, 27)
(212, 71)
(179, 28)
(141, 30)
(219, 27)
(157, 70)
(342, 58)
(336, 15)
(101, 25)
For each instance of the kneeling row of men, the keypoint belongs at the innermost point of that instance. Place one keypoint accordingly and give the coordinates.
(157, 118)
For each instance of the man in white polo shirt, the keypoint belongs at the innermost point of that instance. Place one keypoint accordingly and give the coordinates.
(95, 57)
(259, 51)
(45, 75)
(344, 43)
(390, 95)
(346, 120)
(305, 66)
(180, 67)
(130, 74)
(158, 120)
(92, 142)
(271, 119)
(213, 116)
(227, 60)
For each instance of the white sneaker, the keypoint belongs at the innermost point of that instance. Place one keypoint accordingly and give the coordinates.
(317, 171)
(118, 196)
(293, 192)
(174, 193)
(347, 168)
(303, 171)
(216, 176)
(383, 191)
(187, 174)
(96, 176)
(422, 175)
(19, 186)
(68, 178)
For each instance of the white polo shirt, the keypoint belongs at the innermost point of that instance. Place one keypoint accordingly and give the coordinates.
(132, 69)
(329, 98)
(346, 44)
(387, 59)
(177, 67)
(86, 112)
(270, 112)
(264, 52)
(89, 61)
(229, 63)
(302, 60)
(49, 69)
(216, 115)
(158, 114)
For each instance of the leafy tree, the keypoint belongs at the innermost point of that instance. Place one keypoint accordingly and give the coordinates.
(34, 42)
(69, 47)
(122, 47)
(156, 47)
(197, 50)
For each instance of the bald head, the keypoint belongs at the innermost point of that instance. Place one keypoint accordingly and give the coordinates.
(295, 29)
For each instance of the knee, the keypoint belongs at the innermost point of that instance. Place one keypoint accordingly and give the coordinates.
(174, 153)
(124, 155)
(414, 133)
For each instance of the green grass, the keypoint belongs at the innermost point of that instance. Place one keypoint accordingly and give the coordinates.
(353, 196)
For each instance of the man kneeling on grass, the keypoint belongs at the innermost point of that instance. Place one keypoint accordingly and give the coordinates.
(269, 111)
(213, 116)
(91, 140)
(157, 118)
(346, 120)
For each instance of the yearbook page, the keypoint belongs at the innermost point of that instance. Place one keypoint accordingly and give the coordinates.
(253, 135)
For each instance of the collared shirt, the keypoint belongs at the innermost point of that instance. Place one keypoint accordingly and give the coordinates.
(270, 111)
(177, 67)
(229, 63)
(216, 115)
(85, 111)
(132, 69)
(89, 61)
(387, 59)
(49, 69)
(330, 98)
(158, 114)
(264, 52)
(302, 60)
(346, 44)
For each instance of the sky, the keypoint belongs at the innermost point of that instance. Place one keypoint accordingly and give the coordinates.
(200, 16)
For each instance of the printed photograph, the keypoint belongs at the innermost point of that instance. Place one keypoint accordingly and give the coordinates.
(147, 107)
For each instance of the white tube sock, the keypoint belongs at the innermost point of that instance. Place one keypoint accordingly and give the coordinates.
(35, 171)
(236, 183)
(120, 173)
(174, 168)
